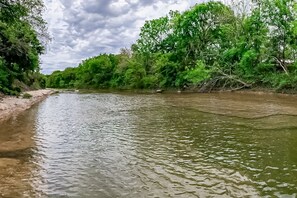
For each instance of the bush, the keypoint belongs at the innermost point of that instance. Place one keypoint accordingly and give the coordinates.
(198, 74)
(27, 96)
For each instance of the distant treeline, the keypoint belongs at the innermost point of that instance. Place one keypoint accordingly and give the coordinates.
(210, 46)
(21, 31)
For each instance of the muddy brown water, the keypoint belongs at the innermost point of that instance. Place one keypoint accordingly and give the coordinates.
(142, 145)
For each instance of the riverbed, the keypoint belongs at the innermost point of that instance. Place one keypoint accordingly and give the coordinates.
(152, 145)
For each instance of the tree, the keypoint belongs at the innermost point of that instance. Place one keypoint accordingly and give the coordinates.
(198, 32)
(152, 35)
(211, 45)
(280, 15)
(21, 30)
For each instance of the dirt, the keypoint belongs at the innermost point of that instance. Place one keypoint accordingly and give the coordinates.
(10, 105)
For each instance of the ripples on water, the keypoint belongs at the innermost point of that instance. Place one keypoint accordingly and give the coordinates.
(125, 145)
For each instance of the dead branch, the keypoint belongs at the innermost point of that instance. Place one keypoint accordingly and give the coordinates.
(227, 80)
(282, 65)
(231, 77)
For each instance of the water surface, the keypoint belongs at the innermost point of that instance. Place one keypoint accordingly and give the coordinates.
(142, 145)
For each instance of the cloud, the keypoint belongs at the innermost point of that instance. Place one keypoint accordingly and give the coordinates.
(86, 28)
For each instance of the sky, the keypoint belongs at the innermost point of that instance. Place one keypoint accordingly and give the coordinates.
(86, 28)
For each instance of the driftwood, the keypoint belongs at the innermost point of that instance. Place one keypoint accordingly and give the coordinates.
(232, 77)
(230, 83)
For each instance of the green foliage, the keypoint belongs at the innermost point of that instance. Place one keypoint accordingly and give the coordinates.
(153, 34)
(4, 81)
(96, 71)
(209, 45)
(133, 77)
(197, 74)
(21, 27)
(166, 70)
(27, 96)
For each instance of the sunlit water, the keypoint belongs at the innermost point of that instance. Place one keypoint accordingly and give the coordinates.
(142, 145)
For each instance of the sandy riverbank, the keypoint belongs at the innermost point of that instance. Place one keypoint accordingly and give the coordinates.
(10, 105)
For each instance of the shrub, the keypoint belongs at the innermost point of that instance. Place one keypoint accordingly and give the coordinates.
(27, 96)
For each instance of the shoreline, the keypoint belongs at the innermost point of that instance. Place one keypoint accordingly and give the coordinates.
(11, 105)
(256, 91)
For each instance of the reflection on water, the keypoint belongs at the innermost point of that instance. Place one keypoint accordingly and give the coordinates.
(16, 150)
(127, 145)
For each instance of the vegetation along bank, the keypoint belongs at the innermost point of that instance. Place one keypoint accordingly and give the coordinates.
(211, 46)
(23, 35)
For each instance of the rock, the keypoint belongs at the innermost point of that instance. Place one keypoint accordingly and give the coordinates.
(159, 91)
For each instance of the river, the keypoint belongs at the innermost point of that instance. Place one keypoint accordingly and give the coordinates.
(152, 145)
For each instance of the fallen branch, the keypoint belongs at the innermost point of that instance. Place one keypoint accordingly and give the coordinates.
(227, 80)
(231, 77)
(282, 65)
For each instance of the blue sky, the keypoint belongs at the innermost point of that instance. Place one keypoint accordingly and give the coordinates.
(85, 28)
